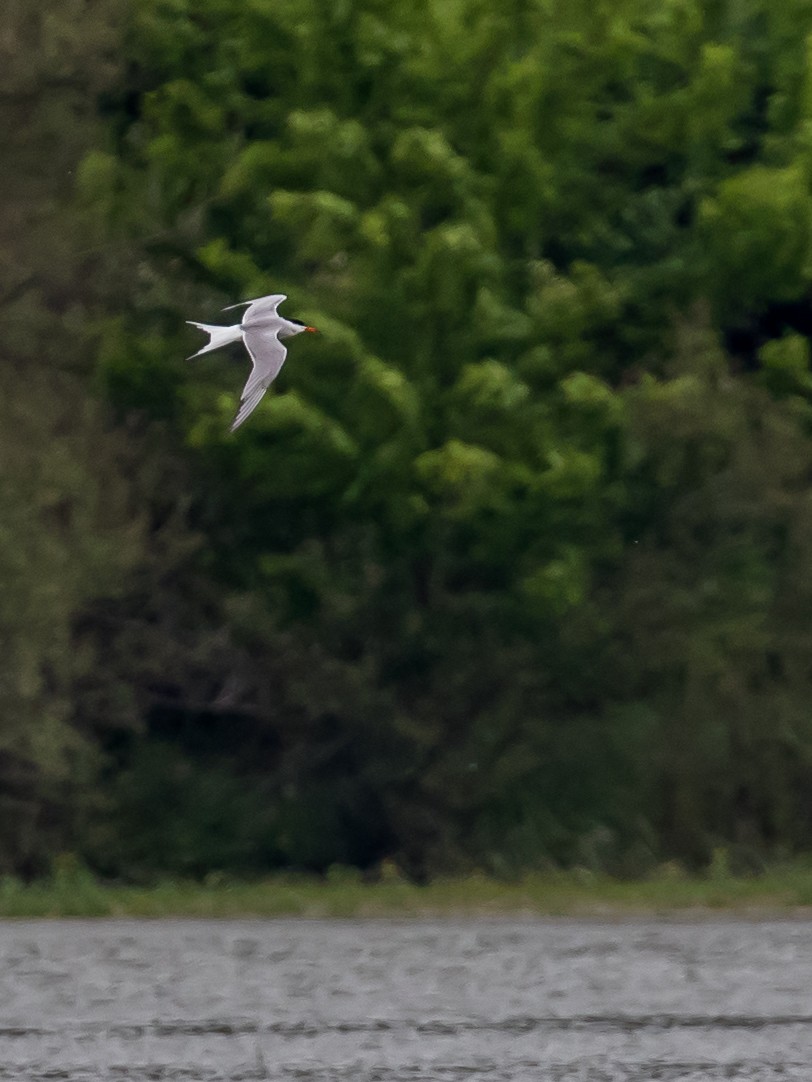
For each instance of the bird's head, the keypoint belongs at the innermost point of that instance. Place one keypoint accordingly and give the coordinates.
(302, 327)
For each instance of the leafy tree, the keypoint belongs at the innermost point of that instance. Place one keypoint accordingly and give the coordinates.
(69, 534)
(510, 565)
(713, 604)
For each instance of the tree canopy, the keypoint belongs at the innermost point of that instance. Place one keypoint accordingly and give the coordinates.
(512, 566)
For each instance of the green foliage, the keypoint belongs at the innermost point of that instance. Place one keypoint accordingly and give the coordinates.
(757, 238)
(209, 820)
(511, 564)
(439, 519)
(714, 607)
(68, 532)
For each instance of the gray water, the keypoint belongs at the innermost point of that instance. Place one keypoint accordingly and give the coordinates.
(398, 1001)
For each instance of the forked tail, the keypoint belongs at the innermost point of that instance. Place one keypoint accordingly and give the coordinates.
(218, 336)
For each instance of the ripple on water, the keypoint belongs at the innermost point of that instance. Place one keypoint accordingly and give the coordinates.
(400, 1001)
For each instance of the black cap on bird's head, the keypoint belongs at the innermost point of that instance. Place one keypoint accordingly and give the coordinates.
(304, 326)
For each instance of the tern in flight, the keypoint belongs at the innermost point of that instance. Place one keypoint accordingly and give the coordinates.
(261, 329)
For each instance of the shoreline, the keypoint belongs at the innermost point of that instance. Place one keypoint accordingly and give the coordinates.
(783, 892)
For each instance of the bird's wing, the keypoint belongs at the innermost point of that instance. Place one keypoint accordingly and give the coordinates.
(247, 406)
(268, 355)
(259, 306)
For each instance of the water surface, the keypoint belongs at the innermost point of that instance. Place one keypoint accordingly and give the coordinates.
(406, 1001)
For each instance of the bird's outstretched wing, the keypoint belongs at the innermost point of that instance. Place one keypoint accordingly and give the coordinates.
(247, 407)
(268, 355)
(260, 306)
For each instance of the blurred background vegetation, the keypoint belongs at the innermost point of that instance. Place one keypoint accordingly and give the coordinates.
(513, 568)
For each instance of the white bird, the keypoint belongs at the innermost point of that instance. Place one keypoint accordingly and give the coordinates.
(261, 329)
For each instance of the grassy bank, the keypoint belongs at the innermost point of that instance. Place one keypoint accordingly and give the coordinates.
(73, 892)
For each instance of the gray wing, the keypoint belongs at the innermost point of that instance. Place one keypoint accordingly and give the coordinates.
(247, 407)
(268, 355)
(260, 306)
